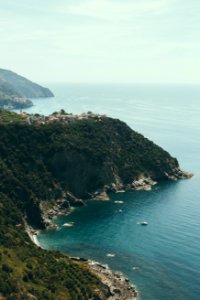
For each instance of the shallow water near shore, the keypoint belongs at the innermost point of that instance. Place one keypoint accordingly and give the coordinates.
(162, 259)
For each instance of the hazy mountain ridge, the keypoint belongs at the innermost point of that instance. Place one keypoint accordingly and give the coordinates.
(15, 90)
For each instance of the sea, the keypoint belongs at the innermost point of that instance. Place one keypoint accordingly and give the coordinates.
(163, 258)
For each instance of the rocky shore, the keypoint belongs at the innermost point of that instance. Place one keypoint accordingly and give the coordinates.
(49, 210)
(64, 205)
(61, 206)
(142, 183)
(114, 284)
(117, 286)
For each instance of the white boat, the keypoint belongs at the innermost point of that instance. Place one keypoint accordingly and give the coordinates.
(68, 224)
(144, 223)
(111, 255)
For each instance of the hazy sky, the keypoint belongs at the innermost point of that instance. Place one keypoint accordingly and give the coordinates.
(101, 40)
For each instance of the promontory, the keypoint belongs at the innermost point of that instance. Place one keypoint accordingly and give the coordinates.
(16, 91)
(61, 161)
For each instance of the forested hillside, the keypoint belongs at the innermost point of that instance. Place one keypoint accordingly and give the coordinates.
(44, 163)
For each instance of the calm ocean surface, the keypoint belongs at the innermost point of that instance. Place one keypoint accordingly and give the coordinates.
(163, 258)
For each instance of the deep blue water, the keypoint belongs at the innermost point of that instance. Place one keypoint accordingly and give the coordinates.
(166, 253)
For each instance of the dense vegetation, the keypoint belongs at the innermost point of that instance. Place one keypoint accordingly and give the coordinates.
(10, 117)
(28, 272)
(42, 162)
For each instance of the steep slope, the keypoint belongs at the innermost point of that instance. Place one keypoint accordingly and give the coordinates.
(24, 87)
(7, 89)
(10, 98)
(45, 162)
(30, 273)
(44, 165)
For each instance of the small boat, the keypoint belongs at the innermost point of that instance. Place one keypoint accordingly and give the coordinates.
(119, 202)
(111, 255)
(68, 224)
(144, 223)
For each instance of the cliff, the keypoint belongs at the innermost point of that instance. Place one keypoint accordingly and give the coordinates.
(50, 161)
(48, 166)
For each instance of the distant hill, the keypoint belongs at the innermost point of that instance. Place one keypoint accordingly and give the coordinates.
(23, 86)
(15, 89)
(7, 89)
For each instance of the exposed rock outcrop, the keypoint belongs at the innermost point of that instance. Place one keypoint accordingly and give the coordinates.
(115, 286)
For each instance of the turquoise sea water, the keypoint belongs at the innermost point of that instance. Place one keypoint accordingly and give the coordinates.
(163, 258)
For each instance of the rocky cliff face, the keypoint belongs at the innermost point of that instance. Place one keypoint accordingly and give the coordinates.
(57, 162)
(109, 154)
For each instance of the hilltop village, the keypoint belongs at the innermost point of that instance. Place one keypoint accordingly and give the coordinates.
(59, 117)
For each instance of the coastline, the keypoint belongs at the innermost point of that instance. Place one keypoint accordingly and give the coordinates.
(116, 284)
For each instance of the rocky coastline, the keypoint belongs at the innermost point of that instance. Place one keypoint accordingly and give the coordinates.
(142, 183)
(118, 287)
(65, 204)
(115, 285)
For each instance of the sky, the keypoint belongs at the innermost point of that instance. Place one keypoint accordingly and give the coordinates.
(101, 41)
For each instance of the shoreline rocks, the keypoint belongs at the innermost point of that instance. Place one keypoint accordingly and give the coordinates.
(117, 285)
(48, 214)
(64, 205)
(61, 202)
(178, 174)
(142, 183)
